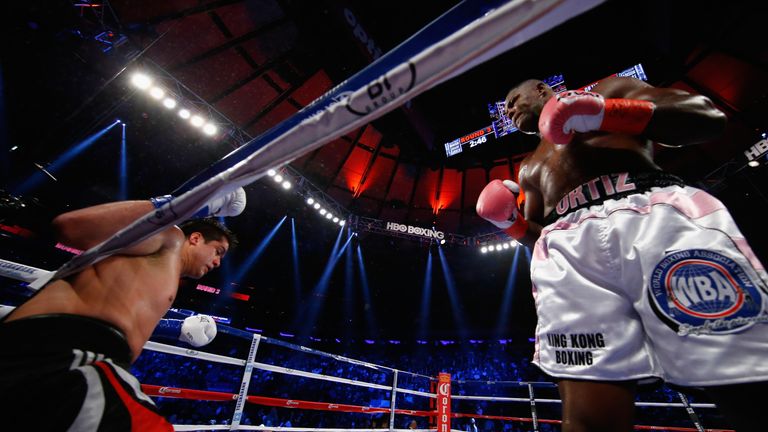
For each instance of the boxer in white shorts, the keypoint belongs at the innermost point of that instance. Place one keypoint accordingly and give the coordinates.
(635, 275)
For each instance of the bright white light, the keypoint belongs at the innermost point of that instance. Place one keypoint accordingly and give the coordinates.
(753, 163)
(498, 247)
(141, 81)
(169, 103)
(342, 222)
(512, 243)
(328, 215)
(335, 220)
(310, 201)
(286, 184)
(442, 241)
(156, 93)
(316, 206)
(210, 129)
(323, 211)
(505, 245)
(271, 172)
(483, 249)
(184, 113)
(278, 178)
(197, 121)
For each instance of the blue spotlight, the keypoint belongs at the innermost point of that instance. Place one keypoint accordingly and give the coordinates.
(123, 168)
(251, 260)
(35, 179)
(370, 316)
(426, 296)
(349, 275)
(296, 274)
(309, 318)
(509, 293)
(450, 285)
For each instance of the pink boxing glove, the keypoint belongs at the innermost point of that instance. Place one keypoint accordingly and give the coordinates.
(580, 111)
(497, 204)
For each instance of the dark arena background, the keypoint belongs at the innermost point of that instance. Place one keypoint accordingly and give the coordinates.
(368, 247)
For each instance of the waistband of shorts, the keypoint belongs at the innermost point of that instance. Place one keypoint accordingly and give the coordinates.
(52, 333)
(610, 187)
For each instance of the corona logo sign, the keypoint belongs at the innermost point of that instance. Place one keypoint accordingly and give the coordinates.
(444, 402)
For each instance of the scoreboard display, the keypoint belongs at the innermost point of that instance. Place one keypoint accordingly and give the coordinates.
(502, 125)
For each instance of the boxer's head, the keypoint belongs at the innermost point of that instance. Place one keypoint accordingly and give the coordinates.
(524, 103)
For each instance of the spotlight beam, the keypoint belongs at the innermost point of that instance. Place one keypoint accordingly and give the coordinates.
(35, 179)
(318, 293)
(123, 167)
(426, 296)
(368, 310)
(251, 260)
(509, 293)
(296, 274)
(450, 285)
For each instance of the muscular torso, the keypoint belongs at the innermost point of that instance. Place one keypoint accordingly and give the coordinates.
(552, 171)
(131, 292)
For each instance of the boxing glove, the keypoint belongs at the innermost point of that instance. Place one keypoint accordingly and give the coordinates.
(227, 204)
(497, 204)
(197, 330)
(580, 111)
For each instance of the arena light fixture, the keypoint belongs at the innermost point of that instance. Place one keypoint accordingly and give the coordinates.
(323, 211)
(753, 163)
(141, 81)
(210, 129)
(197, 121)
(484, 249)
(286, 185)
(310, 201)
(184, 113)
(278, 178)
(169, 103)
(271, 173)
(342, 222)
(156, 93)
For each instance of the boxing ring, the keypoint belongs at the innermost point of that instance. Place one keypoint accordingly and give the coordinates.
(465, 36)
(399, 387)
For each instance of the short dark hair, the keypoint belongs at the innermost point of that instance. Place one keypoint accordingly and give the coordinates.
(211, 229)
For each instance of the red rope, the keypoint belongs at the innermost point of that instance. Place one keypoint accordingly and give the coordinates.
(182, 393)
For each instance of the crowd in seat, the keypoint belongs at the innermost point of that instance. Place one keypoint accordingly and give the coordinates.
(488, 370)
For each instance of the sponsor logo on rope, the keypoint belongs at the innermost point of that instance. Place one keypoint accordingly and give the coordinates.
(382, 90)
(192, 352)
(699, 291)
(167, 390)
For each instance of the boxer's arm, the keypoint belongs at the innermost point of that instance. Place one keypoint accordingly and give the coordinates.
(679, 118)
(533, 210)
(87, 227)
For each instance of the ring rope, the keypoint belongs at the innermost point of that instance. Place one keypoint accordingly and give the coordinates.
(182, 393)
(171, 349)
(31, 274)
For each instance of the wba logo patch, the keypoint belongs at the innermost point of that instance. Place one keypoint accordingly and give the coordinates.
(699, 291)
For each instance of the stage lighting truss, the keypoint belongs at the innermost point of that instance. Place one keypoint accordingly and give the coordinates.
(326, 208)
(199, 116)
(490, 248)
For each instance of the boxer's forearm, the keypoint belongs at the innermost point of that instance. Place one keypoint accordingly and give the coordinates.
(87, 227)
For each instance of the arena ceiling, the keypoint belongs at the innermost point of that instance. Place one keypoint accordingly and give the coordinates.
(258, 62)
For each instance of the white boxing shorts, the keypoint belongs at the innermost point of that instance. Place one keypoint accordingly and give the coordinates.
(635, 280)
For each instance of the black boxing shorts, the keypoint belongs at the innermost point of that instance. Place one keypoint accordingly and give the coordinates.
(66, 372)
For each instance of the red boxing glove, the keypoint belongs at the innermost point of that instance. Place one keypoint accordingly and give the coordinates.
(580, 111)
(497, 204)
